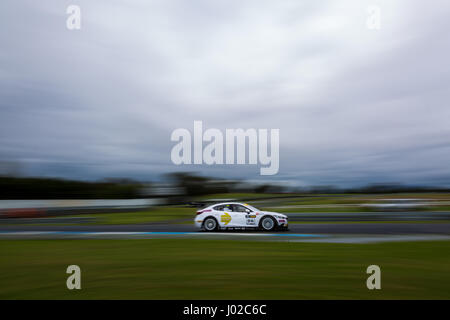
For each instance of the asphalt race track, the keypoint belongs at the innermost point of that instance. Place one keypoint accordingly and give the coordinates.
(309, 228)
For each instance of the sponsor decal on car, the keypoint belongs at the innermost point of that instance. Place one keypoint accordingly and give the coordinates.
(225, 218)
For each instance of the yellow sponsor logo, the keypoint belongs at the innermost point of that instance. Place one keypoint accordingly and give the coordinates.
(225, 218)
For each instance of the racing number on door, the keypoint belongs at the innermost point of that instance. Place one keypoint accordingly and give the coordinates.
(250, 219)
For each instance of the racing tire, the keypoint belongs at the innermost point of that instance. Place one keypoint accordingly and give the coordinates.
(268, 223)
(210, 224)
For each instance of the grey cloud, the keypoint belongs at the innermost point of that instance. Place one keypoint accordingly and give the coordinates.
(354, 106)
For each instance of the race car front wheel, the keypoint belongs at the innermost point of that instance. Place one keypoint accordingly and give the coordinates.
(210, 224)
(268, 224)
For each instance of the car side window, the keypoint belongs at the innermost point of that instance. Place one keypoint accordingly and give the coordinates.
(228, 207)
(240, 208)
(218, 208)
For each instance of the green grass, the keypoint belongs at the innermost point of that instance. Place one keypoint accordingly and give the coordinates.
(238, 196)
(325, 201)
(359, 222)
(215, 269)
(159, 214)
(438, 208)
(166, 214)
(318, 210)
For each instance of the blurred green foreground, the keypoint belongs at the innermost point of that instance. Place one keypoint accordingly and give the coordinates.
(214, 269)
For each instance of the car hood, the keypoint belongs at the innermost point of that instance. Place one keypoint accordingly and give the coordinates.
(276, 214)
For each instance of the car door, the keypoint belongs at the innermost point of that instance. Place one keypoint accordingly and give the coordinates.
(226, 216)
(243, 216)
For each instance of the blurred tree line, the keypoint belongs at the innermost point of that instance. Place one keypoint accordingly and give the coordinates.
(47, 188)
(187, 186)
(194, 185)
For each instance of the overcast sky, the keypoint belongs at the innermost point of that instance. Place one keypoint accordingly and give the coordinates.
(353, 105)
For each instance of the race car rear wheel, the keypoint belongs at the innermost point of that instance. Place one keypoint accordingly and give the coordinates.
(210, 224)
(267, 224)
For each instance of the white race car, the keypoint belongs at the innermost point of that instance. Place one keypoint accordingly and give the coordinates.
(233, 215)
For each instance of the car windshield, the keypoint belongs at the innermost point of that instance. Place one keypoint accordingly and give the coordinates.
(251, 207)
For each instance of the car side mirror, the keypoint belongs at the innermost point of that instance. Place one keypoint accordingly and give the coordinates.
(248, 210)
